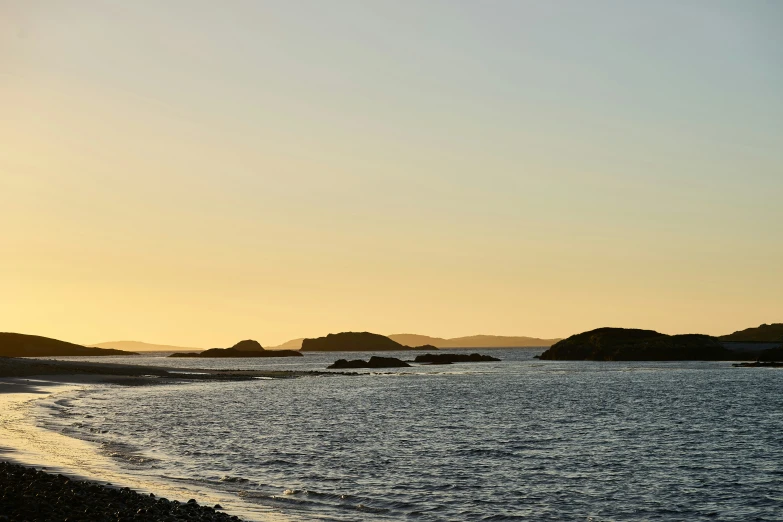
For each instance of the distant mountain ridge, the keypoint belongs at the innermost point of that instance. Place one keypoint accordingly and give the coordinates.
(472, 341)
(293, 344)
(246, 348)
(138, 346)
(23, 345)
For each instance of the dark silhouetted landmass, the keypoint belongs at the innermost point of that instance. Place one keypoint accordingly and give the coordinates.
(621, 344)
(247, 348)
(473, 341)
(374, 362)
(766, 333)
(138, 346)
(771, 354)
(448, 358)
(352, 342)
(135, 374)
(248, 345)
(22, 345)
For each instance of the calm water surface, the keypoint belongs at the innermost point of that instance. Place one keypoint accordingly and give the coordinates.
(516, 440)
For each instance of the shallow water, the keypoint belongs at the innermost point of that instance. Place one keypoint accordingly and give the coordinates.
(521, 439)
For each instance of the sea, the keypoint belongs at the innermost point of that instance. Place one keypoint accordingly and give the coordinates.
(519, 439)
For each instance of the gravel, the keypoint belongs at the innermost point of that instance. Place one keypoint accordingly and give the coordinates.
(32, 495)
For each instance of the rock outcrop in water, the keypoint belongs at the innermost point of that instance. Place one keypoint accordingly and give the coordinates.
(374, 362)
(622, 344)
(449, 358)
(247, 348)
(352, 342)
(22, 345)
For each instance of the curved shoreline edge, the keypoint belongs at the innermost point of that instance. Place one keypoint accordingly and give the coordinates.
(50, 453)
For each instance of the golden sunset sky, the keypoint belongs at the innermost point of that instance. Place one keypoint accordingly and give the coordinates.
(196, 173)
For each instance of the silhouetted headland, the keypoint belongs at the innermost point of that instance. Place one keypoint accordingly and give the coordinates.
(353, 342)
(22, 345)
(765, 333)
(374, 362)
(246, 348)
(449, 358)
(623, 344)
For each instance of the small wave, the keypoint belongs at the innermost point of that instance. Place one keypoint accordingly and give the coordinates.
(233, 480)
(125, 453)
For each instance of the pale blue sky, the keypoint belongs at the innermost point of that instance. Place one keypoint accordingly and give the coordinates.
(194, 172)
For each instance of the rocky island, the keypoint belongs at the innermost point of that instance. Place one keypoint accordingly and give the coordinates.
(247, 348)
(374, 362)
(354, 342)
(628, 344)
(449, 358)
(22, 345)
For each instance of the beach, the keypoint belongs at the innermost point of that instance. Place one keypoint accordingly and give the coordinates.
(46, 475)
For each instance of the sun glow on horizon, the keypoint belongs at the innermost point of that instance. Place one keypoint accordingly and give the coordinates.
(195, 175)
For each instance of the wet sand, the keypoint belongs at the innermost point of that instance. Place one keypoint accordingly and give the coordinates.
(19, 367)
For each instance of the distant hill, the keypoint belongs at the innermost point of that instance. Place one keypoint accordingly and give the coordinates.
(351, 342)
(138, 346)
(628, 344)
(22, 345)
(293, 344)
(473, 341)
(766, 333)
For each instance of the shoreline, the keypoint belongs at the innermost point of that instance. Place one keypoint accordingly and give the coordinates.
(54, 457)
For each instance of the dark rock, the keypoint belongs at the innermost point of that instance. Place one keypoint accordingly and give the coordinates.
(352, 342)
(26, 494)
(374, 362)
(448, 358)
(760, 364)
(248, 345)
(425, 347)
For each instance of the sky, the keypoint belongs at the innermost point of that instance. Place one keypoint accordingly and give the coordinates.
(196, 172)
